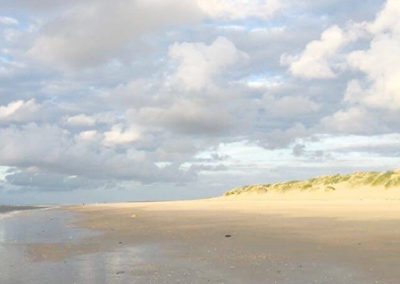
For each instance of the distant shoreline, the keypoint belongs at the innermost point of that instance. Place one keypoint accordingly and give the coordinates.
(10, 208)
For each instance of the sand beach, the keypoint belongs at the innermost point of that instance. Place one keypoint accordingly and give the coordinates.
(222, 240)
(335, 229)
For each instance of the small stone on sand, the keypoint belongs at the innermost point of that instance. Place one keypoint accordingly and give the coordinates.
(120, 272)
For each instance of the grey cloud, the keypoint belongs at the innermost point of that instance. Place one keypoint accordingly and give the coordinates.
(26, 180)
(275, 137)
(298, 150)
(189, 117)
(94, 32)
(291, 106)
(53, 149)
(36, 5)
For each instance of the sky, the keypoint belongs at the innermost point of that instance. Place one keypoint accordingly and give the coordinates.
(123, 100)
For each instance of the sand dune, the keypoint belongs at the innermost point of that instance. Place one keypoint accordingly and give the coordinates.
(355, 186)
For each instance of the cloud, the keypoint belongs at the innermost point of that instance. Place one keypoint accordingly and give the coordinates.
(81, 120)
(98, 94)
(313, 62)
(353, 120)
(54, 150)
(366, 56)
(119, 136)
(187, 117)
(8, 21)
(387, 18)
(37, 6)
(275, 138)
(88, 135)
(19, 111)
(199, 63)
(40, 181)
(240, 9)
(91, 33)
(289, 106)
(335, 52)
(380, 62)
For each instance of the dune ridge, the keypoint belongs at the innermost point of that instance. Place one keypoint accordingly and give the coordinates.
(357, 185)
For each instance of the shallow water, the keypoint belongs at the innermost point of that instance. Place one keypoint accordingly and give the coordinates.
(39, 226)
(20, 230)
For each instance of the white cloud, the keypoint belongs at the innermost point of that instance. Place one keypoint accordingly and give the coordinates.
(199, 63)
(120, 136)
(240, 9)
(387, 19)
(380, 62)
(19, 111)
(88, 135)
(264, 82)
(314, 61)
(81, 120)
(8, 21)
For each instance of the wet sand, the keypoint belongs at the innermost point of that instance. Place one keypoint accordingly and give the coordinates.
(18, 232)
(226, 241)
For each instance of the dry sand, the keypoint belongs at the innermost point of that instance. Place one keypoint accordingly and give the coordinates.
(246, 240)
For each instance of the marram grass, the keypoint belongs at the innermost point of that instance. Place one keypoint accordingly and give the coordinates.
(386, 179)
